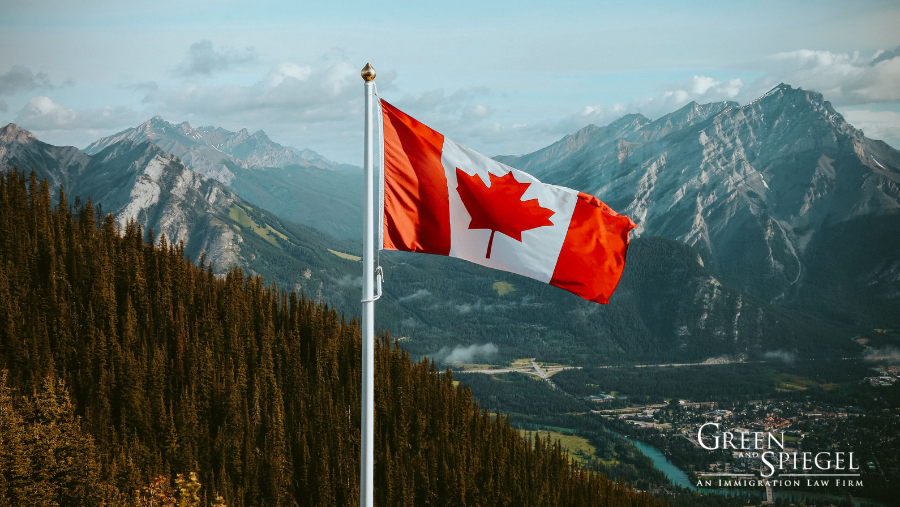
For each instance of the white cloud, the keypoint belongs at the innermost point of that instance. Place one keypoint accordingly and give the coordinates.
(316, 106)
(844, 79)
(288, 93)
(594, 114)
(701, 89)
(465, 105)
(476, 112)
(419, 294)
(277, 75)
(319, 104)
(350, 281)
(889, 355)
(204, 60)
(143, 86)
(781, 355)
(464, 308)
(42, 113)
(468, 354)
(703, 83)
(882, 125)
(21, 78)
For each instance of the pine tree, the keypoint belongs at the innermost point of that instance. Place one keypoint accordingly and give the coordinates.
(171, 368)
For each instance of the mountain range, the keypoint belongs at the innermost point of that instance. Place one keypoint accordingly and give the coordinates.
(298, 185)
(767, 226)
(213, 151)
(758, 190)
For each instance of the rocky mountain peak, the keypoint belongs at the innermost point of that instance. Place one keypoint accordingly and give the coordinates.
(241, 136)
(576, 140)
(692, 106)
(693, 110)
(154, 125)
(259, 134)
(689, 114)
(586, 130)
(12, 133)
(786, 93)
(749, 187)
(805, 109)
(630, 120)
(212, 151)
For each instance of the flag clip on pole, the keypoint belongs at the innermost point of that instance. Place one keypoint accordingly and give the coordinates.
(379, 277)
(367, 428)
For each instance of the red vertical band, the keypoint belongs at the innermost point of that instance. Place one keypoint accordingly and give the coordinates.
(593, 254)
(416, 201)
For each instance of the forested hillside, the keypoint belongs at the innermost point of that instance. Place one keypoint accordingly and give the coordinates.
(171, 368)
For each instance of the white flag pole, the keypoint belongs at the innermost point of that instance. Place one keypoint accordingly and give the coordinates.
(367, 429)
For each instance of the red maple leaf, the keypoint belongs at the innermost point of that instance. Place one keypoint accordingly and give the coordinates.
(500, 207)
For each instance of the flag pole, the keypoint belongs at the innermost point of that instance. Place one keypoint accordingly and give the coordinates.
(367, 428)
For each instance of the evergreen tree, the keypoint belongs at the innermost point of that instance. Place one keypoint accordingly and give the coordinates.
(143, 365)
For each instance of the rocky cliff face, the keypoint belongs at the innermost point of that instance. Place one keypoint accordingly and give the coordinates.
(143, 183)
(136, 181)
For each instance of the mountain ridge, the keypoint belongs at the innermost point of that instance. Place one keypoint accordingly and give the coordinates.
(427, 295)
(297, 185)
(748, 186)
(187, 142)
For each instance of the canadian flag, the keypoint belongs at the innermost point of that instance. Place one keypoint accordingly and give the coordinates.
(442, 198)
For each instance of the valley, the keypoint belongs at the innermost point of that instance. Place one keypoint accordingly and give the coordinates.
(813, 407)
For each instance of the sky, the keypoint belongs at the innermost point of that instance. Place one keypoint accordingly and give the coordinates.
(503, 77)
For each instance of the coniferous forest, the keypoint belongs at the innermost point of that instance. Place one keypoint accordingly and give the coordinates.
(122, 361)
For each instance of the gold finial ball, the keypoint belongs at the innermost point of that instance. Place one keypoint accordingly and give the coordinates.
(368, 73)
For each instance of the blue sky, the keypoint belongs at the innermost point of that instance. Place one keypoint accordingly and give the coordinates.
(502, 77)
